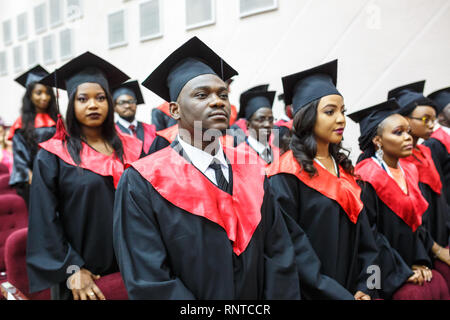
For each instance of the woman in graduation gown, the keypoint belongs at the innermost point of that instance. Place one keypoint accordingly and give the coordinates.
(72, 194)
(391, 192)
(256, 108)
(402, 255)
(36, 124)
(421, 115)
(313, 183)
(186, 230)
(439, 143)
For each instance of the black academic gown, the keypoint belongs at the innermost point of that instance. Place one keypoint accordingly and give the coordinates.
(71, 213)
(441, 158)
(161, 120)
(141, 135)
(165, 252)
(24, 159)
(345, 249)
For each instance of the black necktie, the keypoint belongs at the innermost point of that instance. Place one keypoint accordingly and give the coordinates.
(266, 155)
(220, 178)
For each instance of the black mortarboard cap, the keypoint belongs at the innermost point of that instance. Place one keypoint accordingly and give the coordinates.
(441, 98)
(35, 74)
(306, 86)
(192, 59)
(281, 97)
(370, 118)
(251, 101)
(85, 68)
(261, 87)
(130, 88)
(409, 96)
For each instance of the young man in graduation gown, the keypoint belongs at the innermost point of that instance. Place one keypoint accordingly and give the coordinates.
(439, 143)
(189, 222)
(126, 98)
(256, 109)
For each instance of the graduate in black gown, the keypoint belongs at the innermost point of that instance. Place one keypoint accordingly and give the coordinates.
(313, 183)
(439, 143)
(421, 115)
(193, 222)
(35, 125)
(161, 117)
(126, 98)
(70, 241)
(395, 272)
(256, 109)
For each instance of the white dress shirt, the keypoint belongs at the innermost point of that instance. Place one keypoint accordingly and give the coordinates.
(127, 124)
(201, 160)
(259, 147)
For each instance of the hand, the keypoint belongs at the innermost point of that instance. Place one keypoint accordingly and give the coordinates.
(426, 272)
(361, 296)
(30, 176)
(444, 255)
(83, 286)
(416, 278)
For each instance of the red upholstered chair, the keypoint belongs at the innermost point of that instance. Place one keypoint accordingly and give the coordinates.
(4, 185)
(111, 285)
(436, 289)
(16, 269)
(13, 216)
(444, 270)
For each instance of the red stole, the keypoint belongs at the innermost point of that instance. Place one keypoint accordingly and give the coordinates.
(238, 214)
(91, 159)
(165, 107)
(252, 157)
(242, 123)
(443, 137)
(171, 133)
(344, 190)
(287, 124)
(42, 120)
(233, 115)
(424, 163)
(408, 207)
(149, 136)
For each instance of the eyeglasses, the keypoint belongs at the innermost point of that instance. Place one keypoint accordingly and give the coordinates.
(124, 102)
(424, 119)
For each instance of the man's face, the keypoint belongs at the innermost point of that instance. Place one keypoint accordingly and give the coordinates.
(203, 100)
(261, 124)
(125, 106)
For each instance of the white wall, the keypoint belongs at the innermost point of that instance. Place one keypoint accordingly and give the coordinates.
(380, 44)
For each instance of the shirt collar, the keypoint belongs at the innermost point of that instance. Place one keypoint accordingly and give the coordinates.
(255, 144)
(201, 159)
(127, 124)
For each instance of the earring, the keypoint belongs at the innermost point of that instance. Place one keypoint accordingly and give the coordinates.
(379, 153)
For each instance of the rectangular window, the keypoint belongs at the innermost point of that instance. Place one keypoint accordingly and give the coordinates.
(18, 62)
(116, 29)
(66, 44)
(250, 7)
(200, 13)
(74, 9)
(150, 23)
(40, 18)
(32, 53)
(3, 64)
(48, 49)
(7, 33)
(22, 27)
(56, 12)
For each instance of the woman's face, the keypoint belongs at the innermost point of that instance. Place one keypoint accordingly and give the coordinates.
(91, 105)
(422, 121)
(395, 139)
(40, 97)
(330, 121)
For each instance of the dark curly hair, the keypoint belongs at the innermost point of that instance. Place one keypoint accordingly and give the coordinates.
(75, 136)
(303, 144)
(28, 113)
